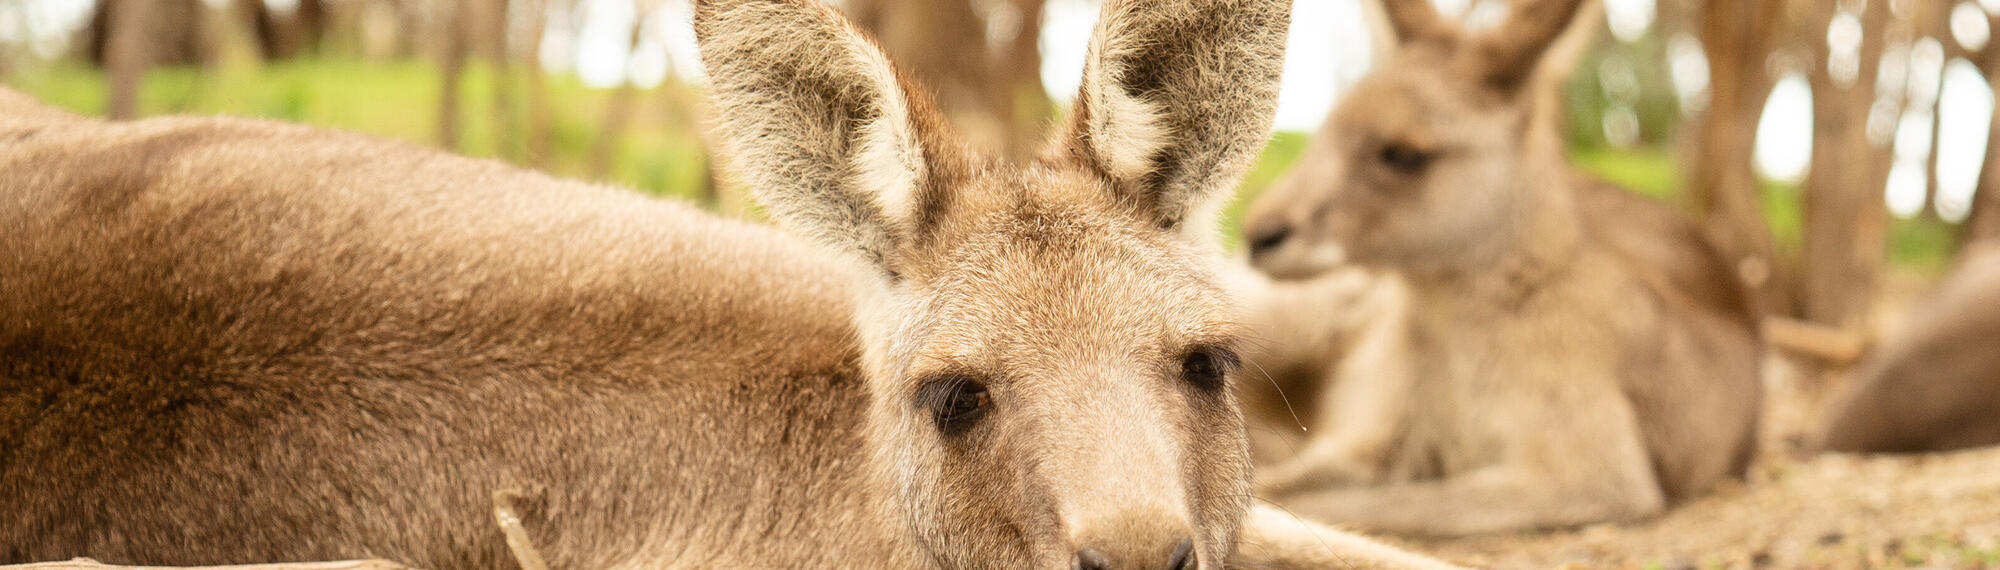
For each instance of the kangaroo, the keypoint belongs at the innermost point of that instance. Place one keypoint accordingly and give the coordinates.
(1575, 353)
(1934, 386)
(232, 341)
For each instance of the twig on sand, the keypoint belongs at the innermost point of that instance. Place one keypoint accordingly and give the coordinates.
(88, 564)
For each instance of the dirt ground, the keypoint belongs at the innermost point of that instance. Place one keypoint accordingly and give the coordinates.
(1826, 512)
(1834, 511)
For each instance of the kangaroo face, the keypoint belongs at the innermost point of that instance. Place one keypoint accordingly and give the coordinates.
(1049, 353)
(1061, 375)
(1423, 165)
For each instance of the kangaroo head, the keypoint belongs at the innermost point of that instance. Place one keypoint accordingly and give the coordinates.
(1432, 162)
(1049, 354)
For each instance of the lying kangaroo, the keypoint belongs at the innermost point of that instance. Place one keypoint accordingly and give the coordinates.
(236, 341)
(1576, 354)
(1935, 386)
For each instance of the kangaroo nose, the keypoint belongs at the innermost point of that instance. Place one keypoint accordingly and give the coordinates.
(1182, 558)
(1268, 236)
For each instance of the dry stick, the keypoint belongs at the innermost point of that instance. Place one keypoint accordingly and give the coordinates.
(86, 563)
(517, 534)
(1830, 345)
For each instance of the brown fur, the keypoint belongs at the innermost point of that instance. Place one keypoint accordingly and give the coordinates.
(1935, 386)
(236, 341)
(1575, 354)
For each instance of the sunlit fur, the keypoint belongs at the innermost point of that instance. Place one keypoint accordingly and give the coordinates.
(1577, 354)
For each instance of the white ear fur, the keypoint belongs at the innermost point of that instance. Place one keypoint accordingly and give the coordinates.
(816, 122)
(890, 162)
(1177, 99)
(1125, 130)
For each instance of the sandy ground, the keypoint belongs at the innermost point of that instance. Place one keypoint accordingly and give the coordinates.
(1834, 511)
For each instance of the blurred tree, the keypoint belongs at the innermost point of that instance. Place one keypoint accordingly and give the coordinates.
(165, 32)
(454, 17)
(123, 34)
(624, 100)
(1846, 222)
(976, 56)
(498, 31)
(538, 95)
(298, 31)
(1984, 221)
(1738, 36)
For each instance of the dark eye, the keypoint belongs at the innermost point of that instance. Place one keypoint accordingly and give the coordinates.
(955, 403)
(1404, 158)
(1207, 368)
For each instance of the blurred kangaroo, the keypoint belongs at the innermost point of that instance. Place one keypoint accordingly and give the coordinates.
(231, 341)
(1575, 353)
(1936, 385)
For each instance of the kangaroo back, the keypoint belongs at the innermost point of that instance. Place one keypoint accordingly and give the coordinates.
(1694, 384)
(229, 341)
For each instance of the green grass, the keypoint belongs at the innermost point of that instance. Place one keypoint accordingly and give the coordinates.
(1921, 244)
(661, 154)
(399, 100)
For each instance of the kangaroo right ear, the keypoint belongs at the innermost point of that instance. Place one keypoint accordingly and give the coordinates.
(1414, 21)
(1509, 54)
(819, 124)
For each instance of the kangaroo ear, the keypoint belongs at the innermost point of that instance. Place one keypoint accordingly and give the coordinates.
(831, 140)
(1176, 100)
(1508, 55)
(1412, 21)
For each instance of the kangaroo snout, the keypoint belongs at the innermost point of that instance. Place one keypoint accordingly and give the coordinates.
(1137, 541)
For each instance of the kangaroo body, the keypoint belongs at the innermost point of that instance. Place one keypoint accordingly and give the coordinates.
(1936, 385)
(1569, 353)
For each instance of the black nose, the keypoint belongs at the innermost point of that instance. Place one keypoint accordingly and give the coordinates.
(1091, 559)
(1268, 236)
(1182, 559)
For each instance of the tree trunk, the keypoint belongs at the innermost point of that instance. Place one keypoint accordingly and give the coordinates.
(617, 113)
(452, 19)
(538, 95)
(128, 25)
(1738, 35)
(943, 45)
(1983, 222)
(1021, 76)
(1845, 218)
(1928, 210)
(311, 20)
(173, 32)
(504, 125)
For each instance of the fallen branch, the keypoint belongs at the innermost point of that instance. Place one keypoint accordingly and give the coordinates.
(1830, 345)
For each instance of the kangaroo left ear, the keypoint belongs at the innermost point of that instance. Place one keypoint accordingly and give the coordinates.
(1177, 100)
(833, 143)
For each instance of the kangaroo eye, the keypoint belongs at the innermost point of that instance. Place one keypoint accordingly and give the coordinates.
(1404, 158)
(955, 403)
(1207, 368)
